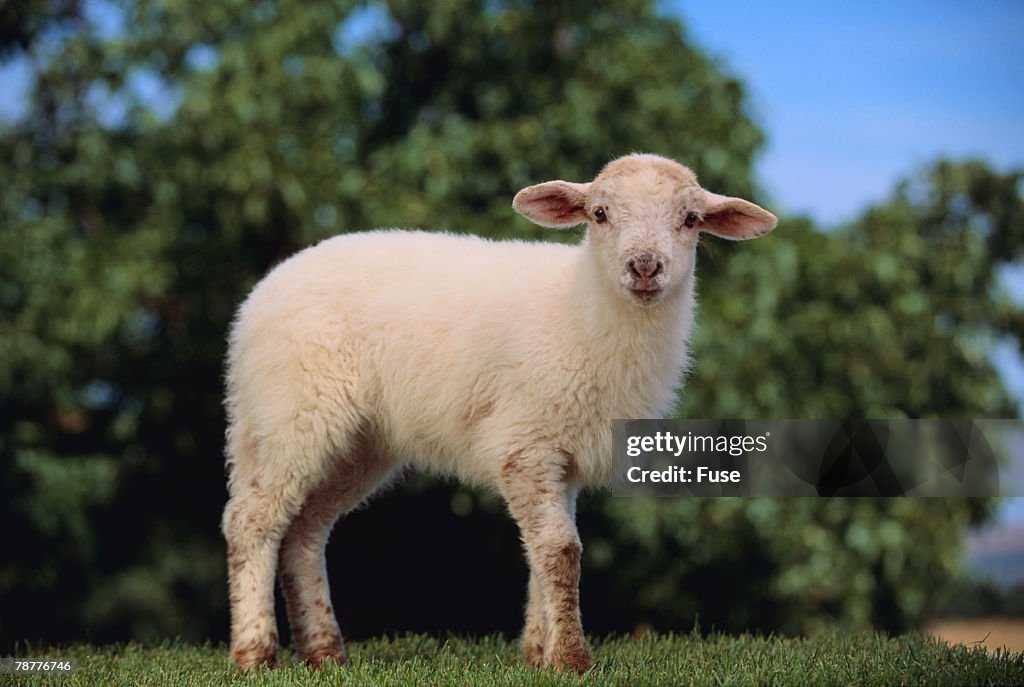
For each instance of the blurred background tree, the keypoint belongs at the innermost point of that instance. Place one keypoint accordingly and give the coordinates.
(175, 150)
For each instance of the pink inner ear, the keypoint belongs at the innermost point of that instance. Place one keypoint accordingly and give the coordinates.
(730, 220)
(553, 203)
(735, 218)
(557, 206)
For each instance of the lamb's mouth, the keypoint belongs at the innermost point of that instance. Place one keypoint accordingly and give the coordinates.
(646, 295)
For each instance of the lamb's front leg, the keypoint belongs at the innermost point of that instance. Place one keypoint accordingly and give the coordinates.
(535, 631)
(541, 501)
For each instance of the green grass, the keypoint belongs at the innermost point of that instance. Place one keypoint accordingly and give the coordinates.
(672, 660)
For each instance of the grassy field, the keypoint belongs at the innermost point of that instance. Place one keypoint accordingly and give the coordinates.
(670, 660)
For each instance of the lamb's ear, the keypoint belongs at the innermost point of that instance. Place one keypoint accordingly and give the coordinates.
(553, 203)
(735, 218)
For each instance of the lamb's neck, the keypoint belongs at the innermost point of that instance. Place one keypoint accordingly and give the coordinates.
(616, 329)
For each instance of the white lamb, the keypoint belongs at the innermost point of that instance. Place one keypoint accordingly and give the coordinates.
(499, 362)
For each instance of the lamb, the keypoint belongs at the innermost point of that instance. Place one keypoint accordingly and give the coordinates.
(501, 363)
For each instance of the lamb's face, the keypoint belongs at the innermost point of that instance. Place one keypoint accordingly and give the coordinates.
(644, 215)
(643, 224)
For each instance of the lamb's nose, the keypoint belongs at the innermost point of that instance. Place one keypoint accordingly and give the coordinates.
(645, 266)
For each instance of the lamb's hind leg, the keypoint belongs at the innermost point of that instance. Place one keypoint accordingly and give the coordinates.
(303, 570)
(271, 480)
(263, 502)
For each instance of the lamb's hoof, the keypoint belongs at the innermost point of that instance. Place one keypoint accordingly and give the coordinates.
(322, 659)
(533, 654)
(574, 659)
(255, 655)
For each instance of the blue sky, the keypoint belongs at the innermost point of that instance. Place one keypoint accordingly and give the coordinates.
(855, 95)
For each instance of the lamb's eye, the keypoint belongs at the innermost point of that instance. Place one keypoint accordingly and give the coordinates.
(600, 216)
(691, 220)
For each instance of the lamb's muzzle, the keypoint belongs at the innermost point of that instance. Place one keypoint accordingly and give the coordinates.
(645, 266)
(368, 353)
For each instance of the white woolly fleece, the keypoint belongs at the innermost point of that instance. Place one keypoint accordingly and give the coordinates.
(455, 350)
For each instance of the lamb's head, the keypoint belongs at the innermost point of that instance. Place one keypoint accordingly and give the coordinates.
(644, 214)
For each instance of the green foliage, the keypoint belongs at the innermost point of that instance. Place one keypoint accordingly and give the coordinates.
(132, 228)
(792, 565)
(671, 660)
(898, 312)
